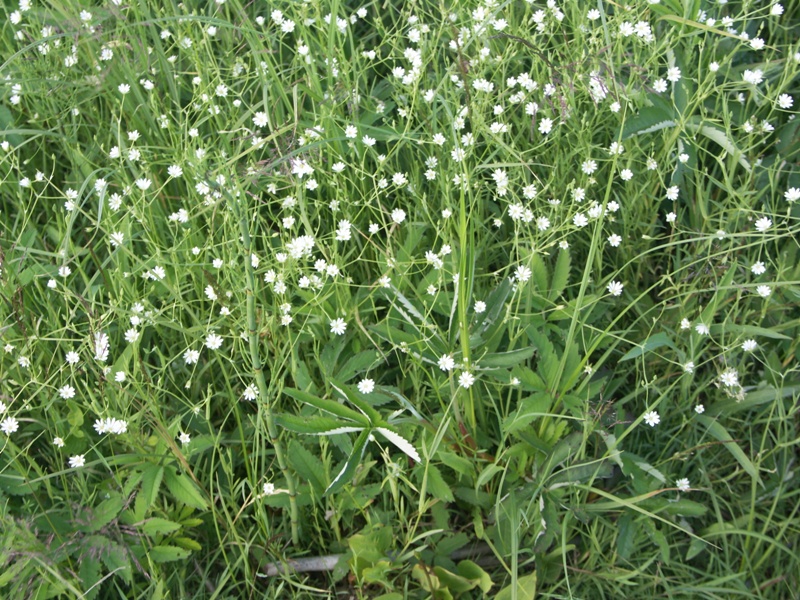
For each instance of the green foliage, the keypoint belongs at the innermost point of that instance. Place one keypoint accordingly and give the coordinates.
(465, 300)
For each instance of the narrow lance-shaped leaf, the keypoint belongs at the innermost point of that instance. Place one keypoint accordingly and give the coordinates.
(349, 469)
(400, 442)
(329, 406)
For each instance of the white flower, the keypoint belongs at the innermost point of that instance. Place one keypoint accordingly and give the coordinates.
(191, 356)
(785, 101)
(338, 326)
(758, 268)
(398, 215)
(184, 438)
(77, 461)
(689, 367)
(213, 341)
(652, 418)
(58, 442)
(67, 392)
(580, 220)
(763, 291)
(699, 409)
(615, 288)
(446, 362)
(702, 329)
(480, 306)
(466, 379)
(683, 484)
(792, 194)
(101, 347)
(729, 378)
(124, 88)
(9, 425)
(763, 224)
(365, 386)
(523, 274)
(175, 171)
(250, 392)
(545, 126)
(131, 335)
(72, 357)
(210, 293)
(399, 179)
(614, 240)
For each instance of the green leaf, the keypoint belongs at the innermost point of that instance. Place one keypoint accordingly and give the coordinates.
(499, 360)
(526, 589)
(717, 134)
(315, 425)
(117, 560)
(105, 512)
(152, 475)
(162, 554)
(627, 528)
(184, 489)
(750, 330)
(471, 571)
(560, 274)
(654, 341)
(363, 361)
(349, 468)
(531, 408)
(719, 433)
(328, 406)
(158, 526)
(651, 118)
(308, 466)
(369, 412)
(437, 487)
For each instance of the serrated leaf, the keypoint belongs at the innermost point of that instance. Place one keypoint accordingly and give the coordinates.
(560, 274)
(184, 489)
(531, 408)
(399, 441)
(370, 413)
(437, 487)
(117, 561)
(308, 466)
(650, 119)
(105, 512)
(328, 406)
(350, 466)
(361, 362)
(313, 425)
(158, 526)
(510, 358)
(162, 554)
(654, 341)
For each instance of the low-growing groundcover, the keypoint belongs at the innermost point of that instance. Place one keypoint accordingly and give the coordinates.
(474, 299)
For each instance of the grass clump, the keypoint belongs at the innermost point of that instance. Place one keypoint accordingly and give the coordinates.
(496, 299)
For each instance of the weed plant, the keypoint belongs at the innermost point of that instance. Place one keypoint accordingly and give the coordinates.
(472, 299)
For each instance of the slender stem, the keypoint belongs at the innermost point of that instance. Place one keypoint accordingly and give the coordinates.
(258, 371)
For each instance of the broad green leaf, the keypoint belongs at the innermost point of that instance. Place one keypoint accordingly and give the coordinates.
(531, 408)
(152, 475)
(329, 406)
(158, 526)
(349, 468)
(105, 512)
(470, 570)
(162, 554)
(651, 118)
(184, 489)
(117, 560)
(437, 487)
(361, 362)
(658, 538)
(308, 466)
(654, 341)
(499, 360)
(750, 330)
(721, 434)
(526, 589)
